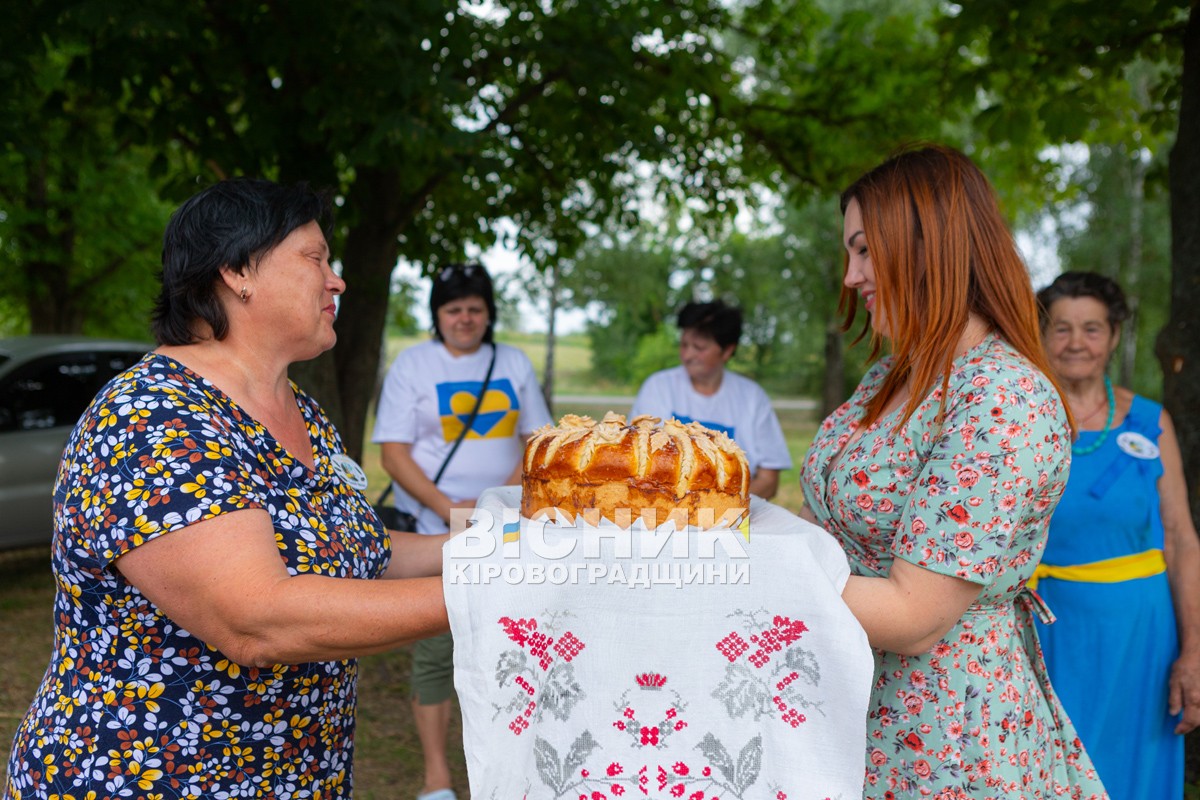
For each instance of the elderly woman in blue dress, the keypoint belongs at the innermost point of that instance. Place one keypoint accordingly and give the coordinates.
(1121, 569)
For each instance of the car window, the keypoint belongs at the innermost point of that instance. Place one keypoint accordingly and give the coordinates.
(53, 390)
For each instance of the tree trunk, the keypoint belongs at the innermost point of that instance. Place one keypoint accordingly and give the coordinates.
(343, 380)
(1129, 340)
(833, 392)
(1178, 344)
(1133, 270)
(53, 305)
(548, 378)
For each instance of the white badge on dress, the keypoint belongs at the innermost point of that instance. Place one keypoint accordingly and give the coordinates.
(1137, 445)
(349, 471)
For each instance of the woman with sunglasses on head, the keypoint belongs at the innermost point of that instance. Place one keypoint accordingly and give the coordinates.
(1121, 571)
(938, 477)
(219, 570)
(431, 392)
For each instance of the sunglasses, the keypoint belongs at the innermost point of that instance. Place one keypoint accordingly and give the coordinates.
(460, 270)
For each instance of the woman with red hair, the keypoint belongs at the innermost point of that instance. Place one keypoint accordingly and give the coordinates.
(938, 476)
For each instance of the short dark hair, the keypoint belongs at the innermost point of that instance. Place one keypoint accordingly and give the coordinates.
(456, 281)
(1085, 284)
(717, 320)
(233, 223)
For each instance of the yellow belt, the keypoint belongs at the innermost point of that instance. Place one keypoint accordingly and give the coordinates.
(1110, 570)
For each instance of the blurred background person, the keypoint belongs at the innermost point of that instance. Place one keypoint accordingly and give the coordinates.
(219, 570)
(938, 476)
(1121, 570)
(702, 390)
(437, 464)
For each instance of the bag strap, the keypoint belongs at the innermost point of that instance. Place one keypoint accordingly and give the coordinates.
(487, 379)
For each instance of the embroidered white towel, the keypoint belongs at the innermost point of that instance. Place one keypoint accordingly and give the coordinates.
(593, 662)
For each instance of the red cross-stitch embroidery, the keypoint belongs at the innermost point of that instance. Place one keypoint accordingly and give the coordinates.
(551, 686)
(776, 666)
(765, 674)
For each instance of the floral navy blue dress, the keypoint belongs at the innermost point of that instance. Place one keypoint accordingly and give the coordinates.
(133, 705)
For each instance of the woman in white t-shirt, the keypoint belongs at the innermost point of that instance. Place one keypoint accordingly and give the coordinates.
(428, 396)
(700, 389)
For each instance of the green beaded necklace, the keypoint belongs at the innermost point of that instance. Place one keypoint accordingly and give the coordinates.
(1112, 409)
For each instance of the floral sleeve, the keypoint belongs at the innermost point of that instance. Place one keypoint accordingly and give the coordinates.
(993, 470)
(153, 453)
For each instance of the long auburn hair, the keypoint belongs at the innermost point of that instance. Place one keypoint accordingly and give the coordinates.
(940, 250)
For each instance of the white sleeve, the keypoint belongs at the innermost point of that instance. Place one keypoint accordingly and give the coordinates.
(768, 433)
(396, 414)
(651, 399)
(534, 413)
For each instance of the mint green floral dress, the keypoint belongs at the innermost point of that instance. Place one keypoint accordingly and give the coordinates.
(974, 717)
(132, 705)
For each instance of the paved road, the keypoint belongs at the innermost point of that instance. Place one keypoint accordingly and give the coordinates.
(781, 403)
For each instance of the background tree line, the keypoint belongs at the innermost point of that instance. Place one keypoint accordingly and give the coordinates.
(1113, 217)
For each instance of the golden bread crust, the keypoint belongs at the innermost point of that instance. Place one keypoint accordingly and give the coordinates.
(646, 468)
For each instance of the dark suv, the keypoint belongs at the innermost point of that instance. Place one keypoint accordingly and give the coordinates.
(45, 384)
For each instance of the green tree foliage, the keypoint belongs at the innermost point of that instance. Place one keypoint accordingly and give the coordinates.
(1124, 73)
(1125, 234)
(433, 122)
(655, 352)
(1039, 74)
(628, 284)
(828, 88)
(80, 215)
(786, 284)
(401, 300)
(811, 106)
(1058, 71)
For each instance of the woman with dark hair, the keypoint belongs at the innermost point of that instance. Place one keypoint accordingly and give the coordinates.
(938, 476)
(1121, 571)
(702, 390)
(452, 421)
(218, 568)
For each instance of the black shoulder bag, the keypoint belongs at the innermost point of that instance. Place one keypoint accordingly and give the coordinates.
(397, 520)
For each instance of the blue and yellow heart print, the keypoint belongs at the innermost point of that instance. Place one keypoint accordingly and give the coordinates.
(728, 429)
(497, 417)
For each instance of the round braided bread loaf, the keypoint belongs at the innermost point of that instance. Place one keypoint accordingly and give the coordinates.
(646, 469)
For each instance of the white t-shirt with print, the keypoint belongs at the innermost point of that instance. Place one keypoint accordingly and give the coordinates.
(428, 395)
(739, 407)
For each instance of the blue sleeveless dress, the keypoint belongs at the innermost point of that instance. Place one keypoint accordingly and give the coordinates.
(1110, 651)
